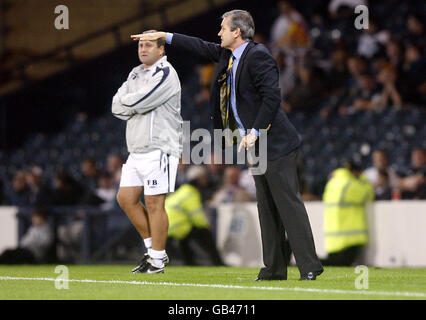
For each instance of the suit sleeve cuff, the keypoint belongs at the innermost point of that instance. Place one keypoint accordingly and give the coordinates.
(169, 37)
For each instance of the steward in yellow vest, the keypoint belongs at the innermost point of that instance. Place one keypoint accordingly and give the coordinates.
(185, 211)
(187, 220)
(345, 198)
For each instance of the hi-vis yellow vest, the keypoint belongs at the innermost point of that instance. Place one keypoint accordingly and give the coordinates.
(345, 199)
(185, 210)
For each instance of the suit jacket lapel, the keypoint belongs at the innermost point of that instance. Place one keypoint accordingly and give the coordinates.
(240, 64)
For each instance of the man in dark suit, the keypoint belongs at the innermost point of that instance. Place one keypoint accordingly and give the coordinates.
(245, 96)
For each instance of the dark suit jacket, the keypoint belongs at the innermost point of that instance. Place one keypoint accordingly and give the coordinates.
(257, 91)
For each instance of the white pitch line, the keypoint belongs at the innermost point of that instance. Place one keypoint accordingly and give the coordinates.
(222, 286)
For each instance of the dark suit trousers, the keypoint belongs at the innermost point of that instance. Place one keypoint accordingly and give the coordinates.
(281, 211)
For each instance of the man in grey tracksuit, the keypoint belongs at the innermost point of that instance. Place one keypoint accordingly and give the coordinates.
(150, 102)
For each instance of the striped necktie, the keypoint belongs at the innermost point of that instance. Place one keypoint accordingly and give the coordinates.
(228, 89)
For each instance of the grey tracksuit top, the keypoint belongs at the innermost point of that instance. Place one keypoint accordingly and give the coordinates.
(150, 102)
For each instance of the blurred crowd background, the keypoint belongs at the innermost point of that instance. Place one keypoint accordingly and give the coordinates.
(355, 96)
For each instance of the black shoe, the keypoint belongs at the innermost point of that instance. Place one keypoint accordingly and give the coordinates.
(153, 269)
(143, 265)
(259, 278)
(166, 260)
(312, 275)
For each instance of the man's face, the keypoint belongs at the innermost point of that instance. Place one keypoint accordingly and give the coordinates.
(87, 168)
(227, 36)
(380, 160)
(37, 220)
(18, 183)
(231, 176)
(149, 52)
(418, 158)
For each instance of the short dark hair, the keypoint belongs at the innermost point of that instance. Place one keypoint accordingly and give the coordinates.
(241, 19)
(353, 165)
(40, 211)
(160, 42)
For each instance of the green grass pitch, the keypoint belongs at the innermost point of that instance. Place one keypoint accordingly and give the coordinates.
(202, 283)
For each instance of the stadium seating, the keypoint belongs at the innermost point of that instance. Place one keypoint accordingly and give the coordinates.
(326, 144)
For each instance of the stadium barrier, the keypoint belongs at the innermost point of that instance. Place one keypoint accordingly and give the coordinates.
(396, 232)
(397, 236)
(91, 231)
(8, 227)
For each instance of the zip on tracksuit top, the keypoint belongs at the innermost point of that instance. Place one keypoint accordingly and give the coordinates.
(150, 102)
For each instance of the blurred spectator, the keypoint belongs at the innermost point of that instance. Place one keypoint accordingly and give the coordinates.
(289, 31)
(304, 187)
(114, 165)
(382, 188)
(106, 191)
(187, 220)
(412, 182)
(341, 27)
(89, 182)
(338, 73)
(415, 30)
(345, 198)
(356, 66)
(67, 191)
(216, 168)
(90, 174)
(247, 182)
(371, 40)
(380, 175)
(343, 98)
(366, 97)
(206, 73)
(70, 240)
(390, 96)
(414, 76)
(20, 195)
(394, 54)
(307, 95)
(181, 173)
(230, 191)
(39, 192)
(335, 5)
(200, 117)
(287, 73)
(35, 244)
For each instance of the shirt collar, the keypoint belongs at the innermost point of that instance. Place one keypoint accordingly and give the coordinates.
(154, 66)
(239, 51)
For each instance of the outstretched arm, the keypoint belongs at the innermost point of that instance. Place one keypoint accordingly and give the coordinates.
(207, 50)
